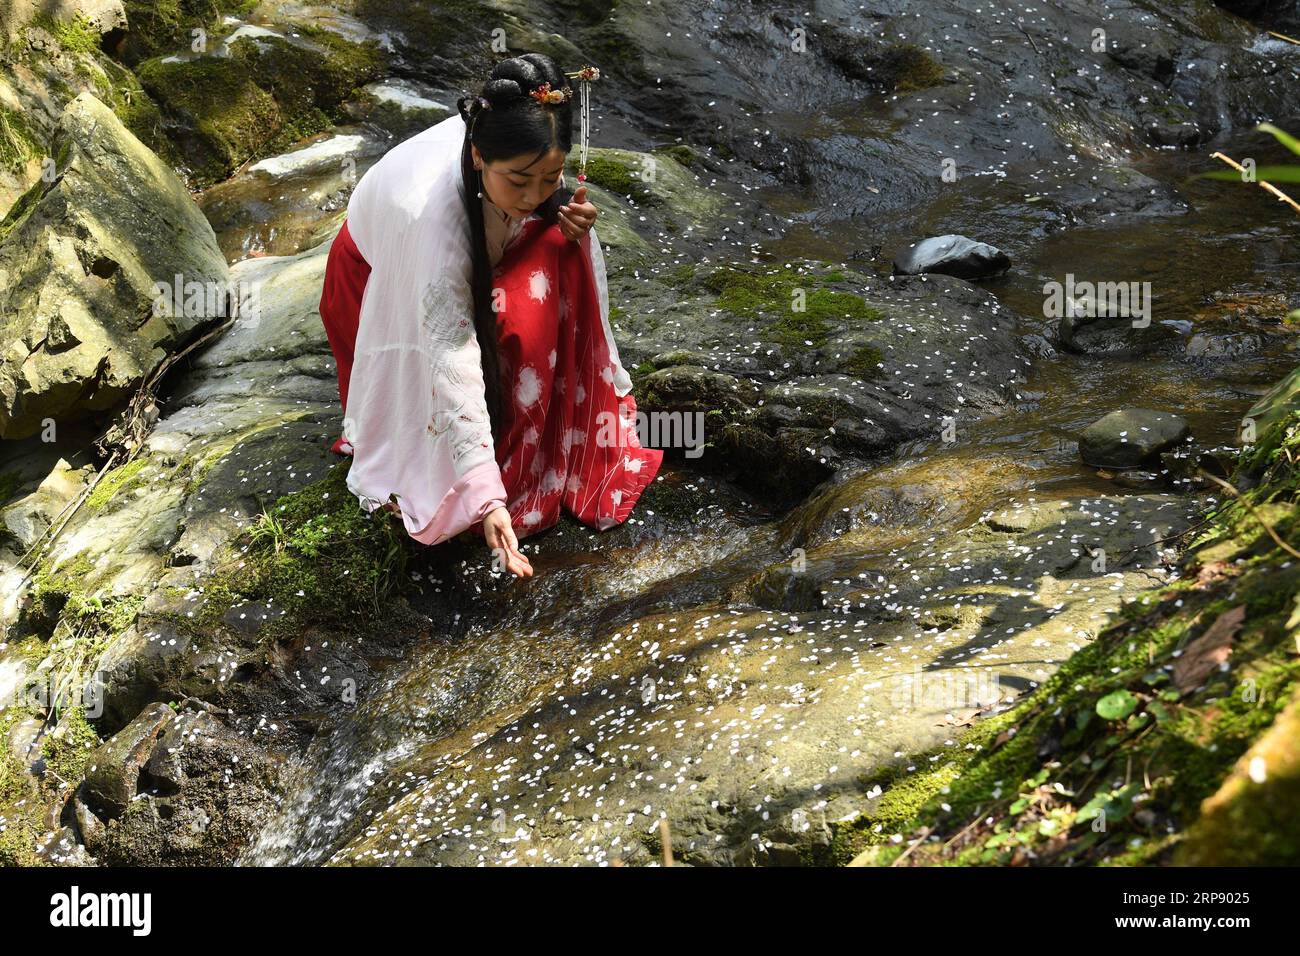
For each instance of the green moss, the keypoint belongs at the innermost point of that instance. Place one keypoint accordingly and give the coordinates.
(231, 116)
(120, 480)
(894, 67)
(77, 35)
(863, 362)
(22, 207)
(680, 152)
(164, 26)
(762, 295)
(122, 93)
(621, 179)
(911, 68)
(62, 599)
(17, 143)
(1252, 820)
(908, 67)
(300, 78)
(69, 746)
(21, 808)
(193, 469)
(51, 590)
(316, 557)
(100, 619)
(264, 98)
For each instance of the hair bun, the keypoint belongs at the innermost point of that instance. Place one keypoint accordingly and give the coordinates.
(502, 90)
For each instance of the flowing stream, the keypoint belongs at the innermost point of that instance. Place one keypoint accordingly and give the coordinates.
(436, 711)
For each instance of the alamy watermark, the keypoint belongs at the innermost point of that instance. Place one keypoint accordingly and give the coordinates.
(200, 299)
(1098, 300)
(944, 690)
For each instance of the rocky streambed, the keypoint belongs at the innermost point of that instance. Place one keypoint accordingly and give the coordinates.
(888, 536)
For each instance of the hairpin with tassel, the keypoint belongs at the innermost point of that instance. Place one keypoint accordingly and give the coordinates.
(584, 76)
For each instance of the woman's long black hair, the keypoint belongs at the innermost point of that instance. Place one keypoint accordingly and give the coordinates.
(516, 125)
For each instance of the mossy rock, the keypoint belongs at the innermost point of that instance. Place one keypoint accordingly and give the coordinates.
(158, 27)
(893, 67)
(75, 34)
(266, 96)
(1254, 817)
(800, 311)
(316, 556)
(907, 67)
(18, 143)
(627, 185)
(120, 480)
(20, 801)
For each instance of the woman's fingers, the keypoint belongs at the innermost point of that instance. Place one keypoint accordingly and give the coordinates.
(520, 561)
(568, 227)
(505, 549)
(578, 217)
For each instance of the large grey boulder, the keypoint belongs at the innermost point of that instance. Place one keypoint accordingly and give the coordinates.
(1130, 437)
(79, 258)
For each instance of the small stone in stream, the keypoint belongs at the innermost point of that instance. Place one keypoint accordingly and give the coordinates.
(953, 256)
(1130, 437)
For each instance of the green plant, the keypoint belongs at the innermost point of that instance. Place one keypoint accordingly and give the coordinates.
(271, 529)
(1261, 174)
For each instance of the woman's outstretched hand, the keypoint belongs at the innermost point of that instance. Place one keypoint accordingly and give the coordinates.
(577, 215)
(501, 539)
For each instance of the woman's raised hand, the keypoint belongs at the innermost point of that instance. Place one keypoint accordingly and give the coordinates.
(577, 215)
(500, 535)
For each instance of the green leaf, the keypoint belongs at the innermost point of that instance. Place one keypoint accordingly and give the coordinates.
(1116, 803)
(1116, 705)
(1272, 174)
(1286, 139)
(1138, 720)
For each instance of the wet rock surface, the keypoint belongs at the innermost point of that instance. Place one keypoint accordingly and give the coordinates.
(1131, 437)
(886, 534)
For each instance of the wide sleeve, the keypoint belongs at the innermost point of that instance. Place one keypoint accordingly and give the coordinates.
(417, 414)
(622, 381)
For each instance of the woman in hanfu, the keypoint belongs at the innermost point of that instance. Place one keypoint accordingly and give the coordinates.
(466, 304)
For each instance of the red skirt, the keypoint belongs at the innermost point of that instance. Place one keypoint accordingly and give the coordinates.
(569, 440)
(346, 273)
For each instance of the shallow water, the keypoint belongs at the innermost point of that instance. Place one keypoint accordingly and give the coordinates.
(434, 713)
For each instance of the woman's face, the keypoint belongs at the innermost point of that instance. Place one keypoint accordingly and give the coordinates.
(521, 183)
